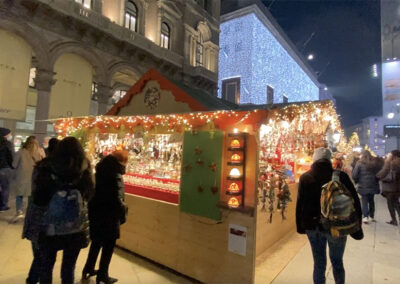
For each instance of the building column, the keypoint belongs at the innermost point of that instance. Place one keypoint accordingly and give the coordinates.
(104, 94)
(43, 83)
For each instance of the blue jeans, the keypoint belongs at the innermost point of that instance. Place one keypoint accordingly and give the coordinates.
(5, 175)
(48, 258)
(19, 202)
(368, 205)
(318, 241)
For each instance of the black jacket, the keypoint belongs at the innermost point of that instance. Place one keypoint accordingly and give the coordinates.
(364, 175)
(308, 208)
(44, 187)
(6, 153)
(107, 205)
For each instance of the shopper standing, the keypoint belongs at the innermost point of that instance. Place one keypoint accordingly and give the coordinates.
(25, 160)
(6, 160)
(67, 171)
(389, 176)
(106, 213)
(308, 216)
(364, 175)
(34, 214)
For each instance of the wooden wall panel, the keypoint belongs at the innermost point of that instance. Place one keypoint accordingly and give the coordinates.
(268, 234)
(191, 245)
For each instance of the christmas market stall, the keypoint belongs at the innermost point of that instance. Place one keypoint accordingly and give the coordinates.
(208, 192)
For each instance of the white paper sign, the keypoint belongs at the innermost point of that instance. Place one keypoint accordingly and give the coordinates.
(237, 239)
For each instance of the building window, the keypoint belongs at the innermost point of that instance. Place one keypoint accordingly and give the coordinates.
(165, 35)
(285, 99)
(231, 90)
(131, 16)
(199, 50)
(270, 95)
(118, 94)
(32, 76)
(94, 91)
(85, 3)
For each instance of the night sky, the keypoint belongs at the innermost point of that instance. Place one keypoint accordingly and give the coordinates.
(346, 44)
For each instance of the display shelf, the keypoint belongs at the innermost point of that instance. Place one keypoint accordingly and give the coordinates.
(233, 149)
(245, 209)
(233, 193)
(235, 178)
(153, 193)
(240, 134)
(235, 163)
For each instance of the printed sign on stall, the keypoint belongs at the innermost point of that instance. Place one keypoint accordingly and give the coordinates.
(237, 239)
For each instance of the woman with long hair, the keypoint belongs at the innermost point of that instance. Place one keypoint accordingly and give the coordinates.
(389, 176)
(364, 175)
(65, 179)
(106, 213)
(25, 160)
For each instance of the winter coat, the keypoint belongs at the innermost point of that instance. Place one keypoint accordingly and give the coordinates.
(43, 189)
(6, 153)
(107, 207)
(393, 186)
(23, 164)
(364, 175)
(308, 208)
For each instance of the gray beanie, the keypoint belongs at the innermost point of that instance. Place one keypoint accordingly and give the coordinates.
(322, 153)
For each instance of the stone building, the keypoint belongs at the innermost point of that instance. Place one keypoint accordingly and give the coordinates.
(63, 58)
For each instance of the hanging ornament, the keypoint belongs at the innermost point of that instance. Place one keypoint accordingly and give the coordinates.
(214, 189)
(200, 188)
(213, 167)
(188, 168)
(197, 151)
(200, 162)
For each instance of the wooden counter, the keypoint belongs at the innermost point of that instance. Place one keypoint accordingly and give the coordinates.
(191, 245)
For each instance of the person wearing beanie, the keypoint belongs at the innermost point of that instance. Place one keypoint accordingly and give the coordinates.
(308, 214)
(6, 161)
(107, 211)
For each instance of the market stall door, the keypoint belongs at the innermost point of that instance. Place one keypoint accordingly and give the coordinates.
(201, 173)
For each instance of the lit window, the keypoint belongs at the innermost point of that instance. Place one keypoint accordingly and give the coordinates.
(231, 90)
(118, 94)
(165, 35)
(94, 91)
(32, 76)
(199, 50)
(131, 13)
(85, 3)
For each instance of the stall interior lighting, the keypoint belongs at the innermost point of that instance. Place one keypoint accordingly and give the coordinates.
(236, 158)
(233, 202)
(234, 187)
(235, 143)
(235, 173)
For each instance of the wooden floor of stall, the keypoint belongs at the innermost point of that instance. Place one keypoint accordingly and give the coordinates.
(194, 246)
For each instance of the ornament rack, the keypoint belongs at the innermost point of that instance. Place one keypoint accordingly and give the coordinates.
(235, 180)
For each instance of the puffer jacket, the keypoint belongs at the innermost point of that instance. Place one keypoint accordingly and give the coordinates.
(393, 186)
(364, 175)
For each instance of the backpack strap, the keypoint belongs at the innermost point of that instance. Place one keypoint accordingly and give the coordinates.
(336, 176)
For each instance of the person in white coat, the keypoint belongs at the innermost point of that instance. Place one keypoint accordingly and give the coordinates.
(24, 162)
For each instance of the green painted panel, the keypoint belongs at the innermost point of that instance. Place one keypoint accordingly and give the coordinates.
(201, 173)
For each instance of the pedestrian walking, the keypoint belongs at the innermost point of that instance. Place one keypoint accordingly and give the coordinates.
(63, 186)
(107, 211)
(34, 214)
(364, 175)
(389, 176)
(25, 160)
(6, 160)
(309, 220)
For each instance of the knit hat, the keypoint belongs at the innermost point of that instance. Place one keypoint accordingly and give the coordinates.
(4, 131)
(322, 153)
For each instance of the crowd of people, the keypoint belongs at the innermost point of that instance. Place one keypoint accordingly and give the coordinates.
(327, 211)
(66, 206)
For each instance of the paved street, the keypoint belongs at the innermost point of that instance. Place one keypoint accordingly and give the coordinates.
(16, 257)
(374, 260)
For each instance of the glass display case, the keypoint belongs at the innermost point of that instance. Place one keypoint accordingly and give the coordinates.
(154, 164)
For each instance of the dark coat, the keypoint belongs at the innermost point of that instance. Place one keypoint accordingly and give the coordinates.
(308, 208)
(364, 175)
(6, 153)
(43, 188)
(107, 205)
(393, 186)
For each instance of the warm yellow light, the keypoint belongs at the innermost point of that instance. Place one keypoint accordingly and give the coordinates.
(235, 172)
(235, 143)
(233, 202)
(235, 130)
(236, 158)
(234, 187)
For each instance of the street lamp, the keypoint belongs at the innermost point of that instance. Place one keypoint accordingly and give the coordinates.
(390, 115)
(310, 56)
(326, 89)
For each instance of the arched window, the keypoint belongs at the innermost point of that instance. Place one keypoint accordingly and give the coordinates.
(118, 94)
(199, 50)
(131, 16)
(165, 35)
(85, 3)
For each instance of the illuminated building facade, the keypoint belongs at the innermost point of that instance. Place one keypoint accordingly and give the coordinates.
(257, 63)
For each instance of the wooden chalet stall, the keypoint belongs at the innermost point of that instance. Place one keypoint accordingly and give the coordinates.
(207, 191)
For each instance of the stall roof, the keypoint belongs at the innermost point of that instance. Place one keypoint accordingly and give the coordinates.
(192, 99)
